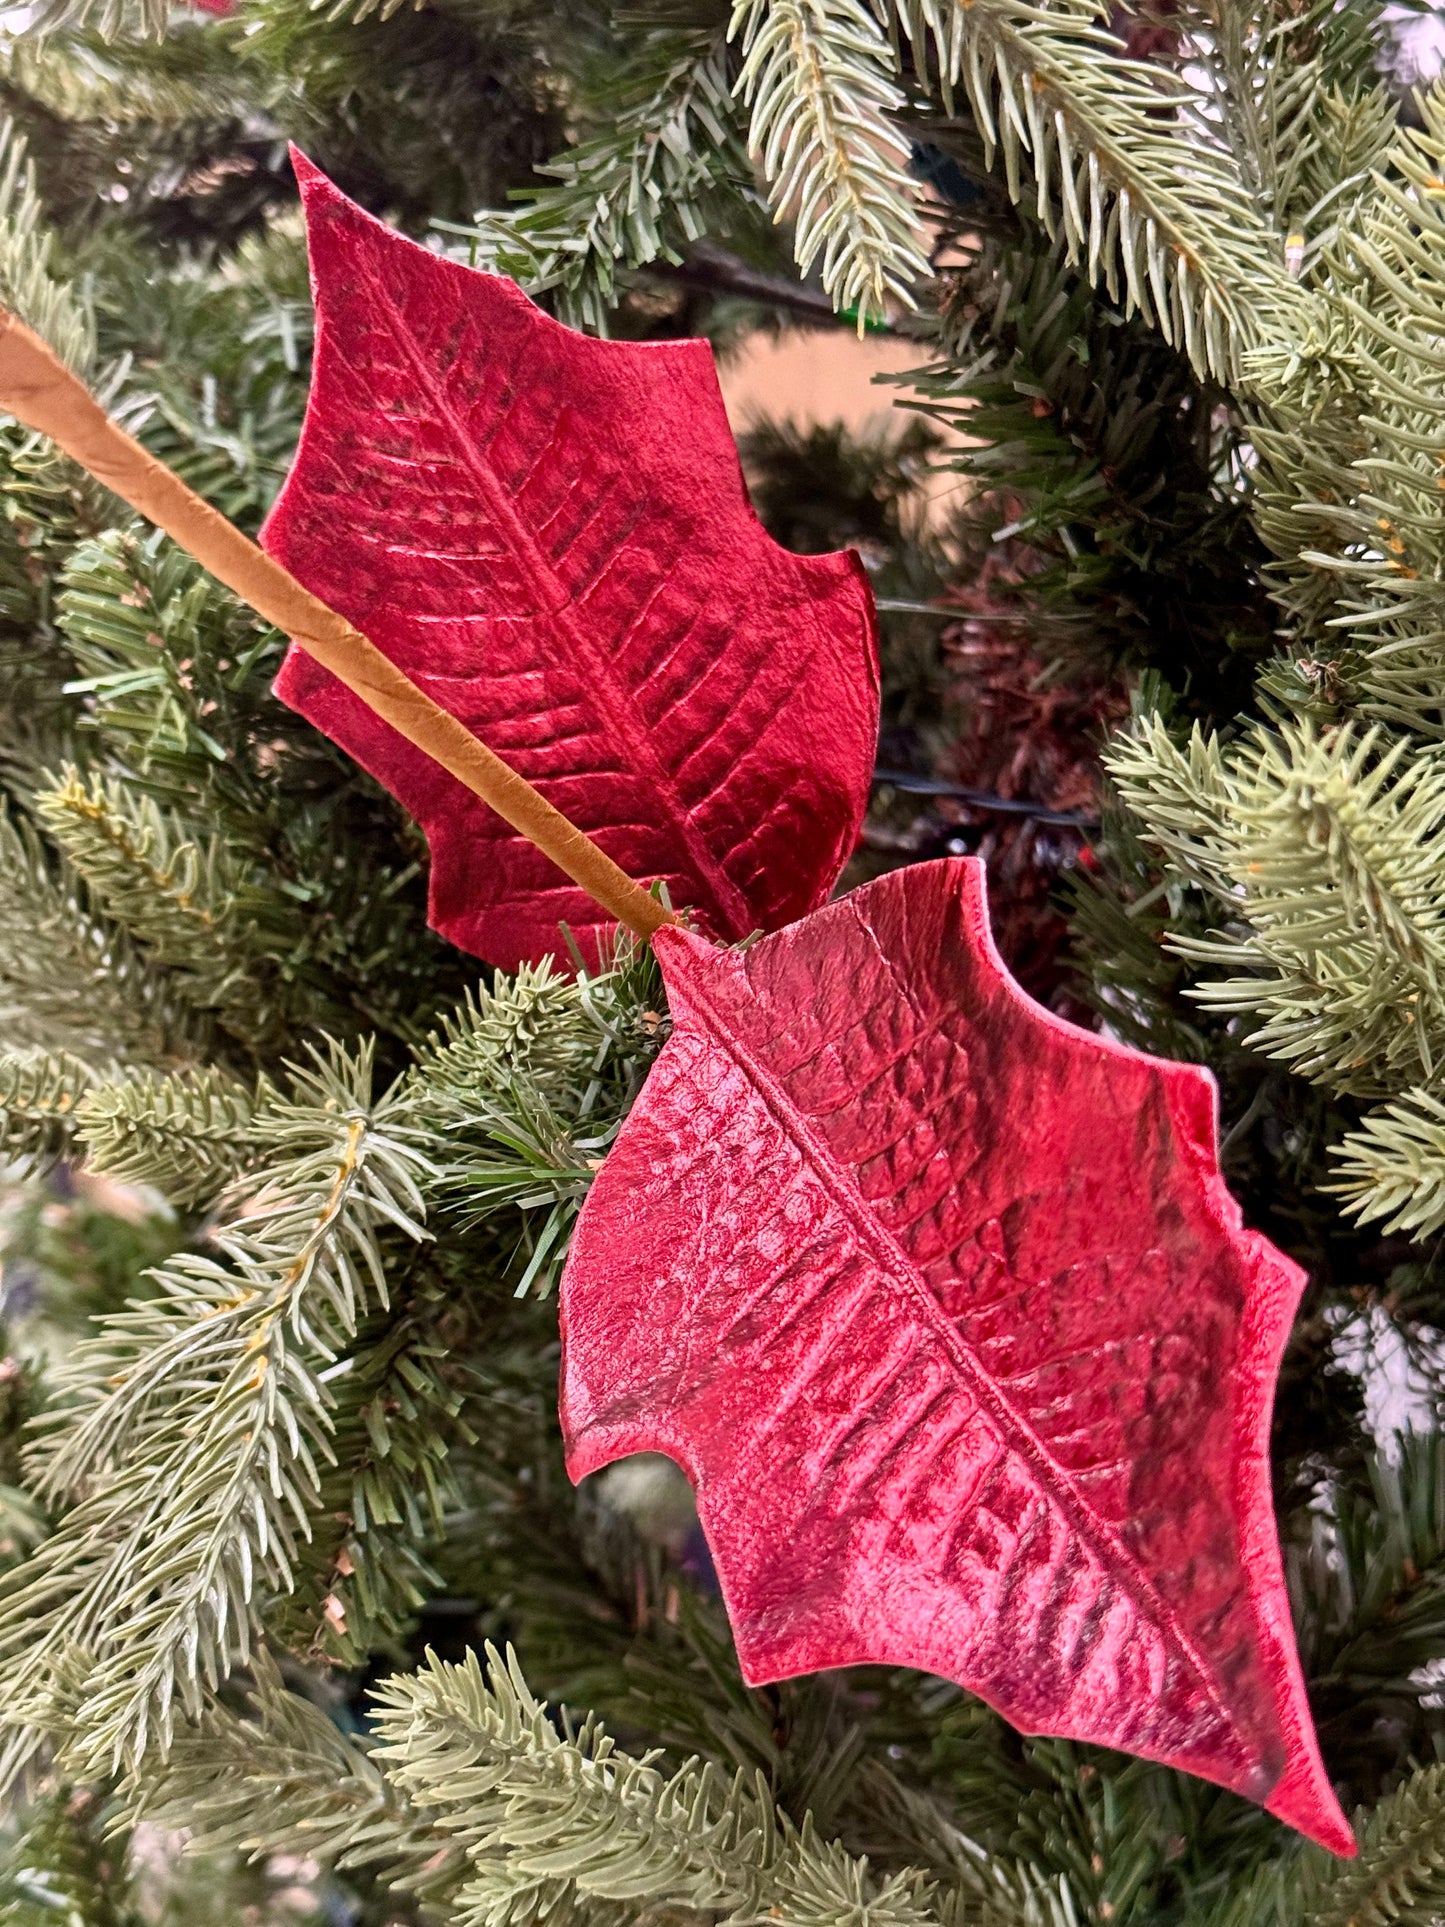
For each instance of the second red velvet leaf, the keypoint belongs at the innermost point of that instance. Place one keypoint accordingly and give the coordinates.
(551, 536)
(944, 1307)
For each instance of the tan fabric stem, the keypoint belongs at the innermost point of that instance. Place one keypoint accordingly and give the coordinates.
(40, 392)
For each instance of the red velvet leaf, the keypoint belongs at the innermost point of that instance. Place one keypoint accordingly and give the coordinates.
(551, 536)
(944, 1307)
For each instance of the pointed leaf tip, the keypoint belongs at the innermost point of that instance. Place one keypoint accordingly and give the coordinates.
(943, 1305)
(551, 536)
(309, 176)
(1305, 1800)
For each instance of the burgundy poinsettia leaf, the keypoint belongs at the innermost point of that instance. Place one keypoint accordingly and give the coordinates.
(944, 1307)
(551, 536)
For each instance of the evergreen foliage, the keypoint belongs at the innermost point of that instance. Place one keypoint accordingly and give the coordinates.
(289, 1183)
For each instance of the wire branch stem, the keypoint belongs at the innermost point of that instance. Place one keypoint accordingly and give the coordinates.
(715, 271)
(42, 393)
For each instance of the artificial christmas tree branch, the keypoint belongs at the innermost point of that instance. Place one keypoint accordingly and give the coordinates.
(42, 393)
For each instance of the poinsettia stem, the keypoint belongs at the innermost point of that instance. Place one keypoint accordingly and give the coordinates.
(37, 388)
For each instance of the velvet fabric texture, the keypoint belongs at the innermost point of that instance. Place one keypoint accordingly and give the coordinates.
(550, 535)
(945, 1309)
